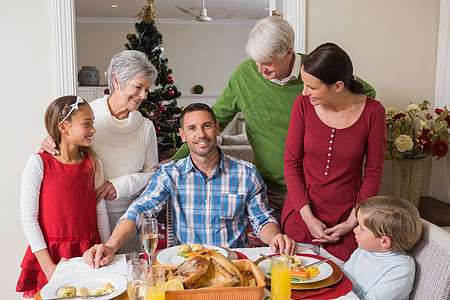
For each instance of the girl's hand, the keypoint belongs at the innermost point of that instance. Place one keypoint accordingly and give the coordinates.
(107, 191)
(51, 269)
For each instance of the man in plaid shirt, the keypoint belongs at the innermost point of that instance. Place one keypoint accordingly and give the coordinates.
(213, 196)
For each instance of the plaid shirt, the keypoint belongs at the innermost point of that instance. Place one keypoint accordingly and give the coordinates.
(210, 210)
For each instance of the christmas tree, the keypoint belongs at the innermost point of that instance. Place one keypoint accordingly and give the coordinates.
(161, 105)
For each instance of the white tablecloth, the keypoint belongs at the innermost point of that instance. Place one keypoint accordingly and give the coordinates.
(118, 265)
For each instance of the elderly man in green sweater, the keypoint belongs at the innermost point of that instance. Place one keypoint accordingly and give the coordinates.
(264, 89)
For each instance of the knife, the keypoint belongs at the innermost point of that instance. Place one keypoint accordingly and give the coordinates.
(79, 297)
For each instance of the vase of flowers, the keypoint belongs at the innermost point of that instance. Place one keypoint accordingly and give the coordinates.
(411, 137)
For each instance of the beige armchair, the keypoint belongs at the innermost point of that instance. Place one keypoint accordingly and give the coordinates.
(432, 255)
(233, 139)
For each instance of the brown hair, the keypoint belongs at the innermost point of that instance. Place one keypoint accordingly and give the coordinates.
(196, 107)
(330, 64)
(56, 112)
(393, 217)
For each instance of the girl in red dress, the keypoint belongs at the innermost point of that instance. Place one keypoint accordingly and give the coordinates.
(59, 211)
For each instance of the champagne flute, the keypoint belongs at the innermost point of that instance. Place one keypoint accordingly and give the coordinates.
(137, 278)
(149, 237)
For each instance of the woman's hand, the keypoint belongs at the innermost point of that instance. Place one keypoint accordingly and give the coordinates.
(48, 145)
(316, 227)
(344, 227)
(107, 191)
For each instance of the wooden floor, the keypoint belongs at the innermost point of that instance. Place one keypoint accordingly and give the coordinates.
(435, 211)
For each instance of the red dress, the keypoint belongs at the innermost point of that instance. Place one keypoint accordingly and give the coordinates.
(323, 167)
(67, 217)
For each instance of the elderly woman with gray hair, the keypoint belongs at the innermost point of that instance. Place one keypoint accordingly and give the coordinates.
(125, 141)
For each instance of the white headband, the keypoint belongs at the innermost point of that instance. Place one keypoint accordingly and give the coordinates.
(73, 107)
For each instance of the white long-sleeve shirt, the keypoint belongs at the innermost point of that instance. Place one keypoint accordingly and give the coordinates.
(32, 177)
(383, 276)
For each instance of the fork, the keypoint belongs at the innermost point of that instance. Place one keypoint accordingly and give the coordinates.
(80, 297)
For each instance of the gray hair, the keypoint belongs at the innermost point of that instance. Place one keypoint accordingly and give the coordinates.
(270, 39)
(130, 64)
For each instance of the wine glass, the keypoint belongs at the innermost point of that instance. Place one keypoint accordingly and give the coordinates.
(149, 237)
(137, 278)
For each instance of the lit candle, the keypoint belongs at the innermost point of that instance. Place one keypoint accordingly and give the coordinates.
(106, 78)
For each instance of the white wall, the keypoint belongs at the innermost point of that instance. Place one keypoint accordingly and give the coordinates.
(198, 54)
(28, 84)
(392, 44)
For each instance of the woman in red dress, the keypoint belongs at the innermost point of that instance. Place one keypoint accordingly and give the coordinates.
(335, 132)
(59, 212)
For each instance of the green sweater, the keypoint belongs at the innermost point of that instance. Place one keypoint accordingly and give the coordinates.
(267, 110)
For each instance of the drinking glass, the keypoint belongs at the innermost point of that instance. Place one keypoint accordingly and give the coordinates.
(280, 285)
(137, 278)
(149, 237)
(156, 280)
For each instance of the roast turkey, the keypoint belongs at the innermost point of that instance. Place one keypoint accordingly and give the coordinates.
(208, 270)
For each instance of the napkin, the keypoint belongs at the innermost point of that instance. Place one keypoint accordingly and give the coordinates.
(331, 292)
(77, 265)
(240, 255)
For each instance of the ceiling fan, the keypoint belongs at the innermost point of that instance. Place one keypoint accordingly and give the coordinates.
(203, 15)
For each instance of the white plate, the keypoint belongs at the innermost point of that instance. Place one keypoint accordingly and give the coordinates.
(169, 256)
(91, 279)
(325, 269)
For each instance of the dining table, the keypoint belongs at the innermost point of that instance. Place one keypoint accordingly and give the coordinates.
(342, 290)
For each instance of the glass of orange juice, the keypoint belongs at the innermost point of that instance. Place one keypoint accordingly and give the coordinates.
(280, 285)
(155, 289)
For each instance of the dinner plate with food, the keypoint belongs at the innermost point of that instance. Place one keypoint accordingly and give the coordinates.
(178, 254)
(299, 274)
(91, 283)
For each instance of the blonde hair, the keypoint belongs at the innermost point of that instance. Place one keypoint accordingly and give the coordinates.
(393, 217)
(56, 112)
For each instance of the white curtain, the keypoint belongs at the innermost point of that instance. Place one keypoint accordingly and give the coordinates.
(440, 170)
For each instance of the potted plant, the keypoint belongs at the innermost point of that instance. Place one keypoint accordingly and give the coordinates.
(412, 136)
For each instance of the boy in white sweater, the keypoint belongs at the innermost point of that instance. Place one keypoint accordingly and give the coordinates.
(380, 268)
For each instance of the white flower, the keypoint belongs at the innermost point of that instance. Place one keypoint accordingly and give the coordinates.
(391, 110)
(403, 143)
(423, 124)
(413, 107)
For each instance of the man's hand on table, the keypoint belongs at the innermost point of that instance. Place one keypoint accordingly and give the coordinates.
(98, 256)
(281, 243)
